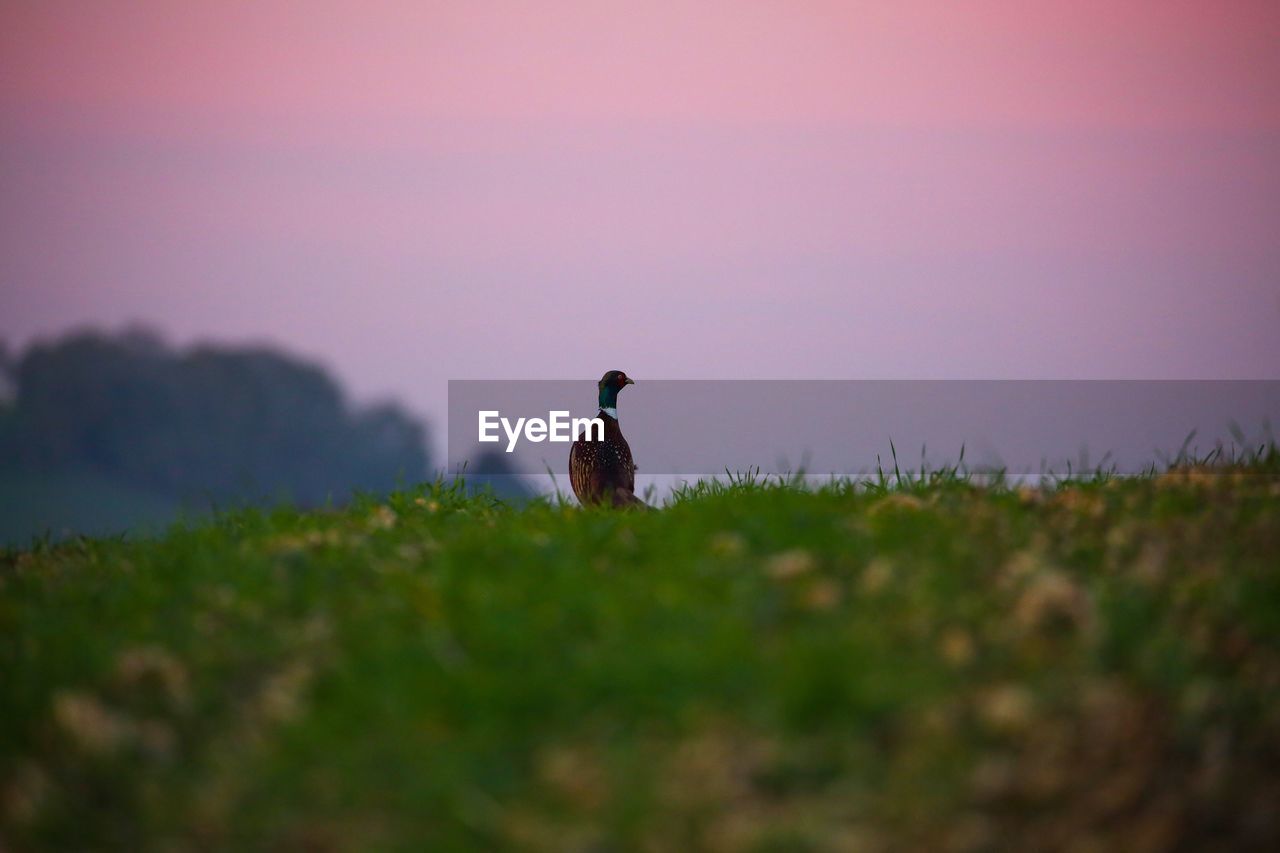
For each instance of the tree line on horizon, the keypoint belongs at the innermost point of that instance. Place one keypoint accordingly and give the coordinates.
(204, 425)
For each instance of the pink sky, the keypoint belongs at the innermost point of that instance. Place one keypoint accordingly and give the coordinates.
(418, 191)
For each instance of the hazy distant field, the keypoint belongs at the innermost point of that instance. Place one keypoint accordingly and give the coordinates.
(37, 505)
(928, 665)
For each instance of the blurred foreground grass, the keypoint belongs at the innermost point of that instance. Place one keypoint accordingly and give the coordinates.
(936, 665)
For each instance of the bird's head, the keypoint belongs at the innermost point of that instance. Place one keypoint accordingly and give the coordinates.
(610, 384)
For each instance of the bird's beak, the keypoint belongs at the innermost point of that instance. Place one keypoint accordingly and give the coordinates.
(629, 381)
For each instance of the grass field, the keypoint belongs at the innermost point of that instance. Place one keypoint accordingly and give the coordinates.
(921, 665)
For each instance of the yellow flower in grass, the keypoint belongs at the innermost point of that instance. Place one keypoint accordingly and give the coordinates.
(1006, 708)
(896, 502)
(728, 544)
(92, 725)
(956, 647)
(790, 564)
(876, 576)
(382, 518)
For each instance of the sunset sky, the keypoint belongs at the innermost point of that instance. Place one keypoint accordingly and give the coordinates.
(416, 191)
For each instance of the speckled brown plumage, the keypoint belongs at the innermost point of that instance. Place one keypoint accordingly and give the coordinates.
(603, 472)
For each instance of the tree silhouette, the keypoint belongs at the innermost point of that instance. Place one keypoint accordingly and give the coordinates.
(210, 423)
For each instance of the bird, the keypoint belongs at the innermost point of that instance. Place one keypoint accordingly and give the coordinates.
(602, 472)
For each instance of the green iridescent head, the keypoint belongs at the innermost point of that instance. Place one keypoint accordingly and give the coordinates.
(610, 384)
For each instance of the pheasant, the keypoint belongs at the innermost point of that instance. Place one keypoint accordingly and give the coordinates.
(602, 472)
